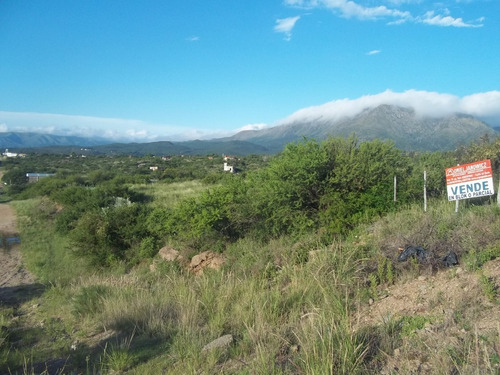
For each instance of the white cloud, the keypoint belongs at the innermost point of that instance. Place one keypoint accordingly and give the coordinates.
(119, 130)
(302, 3)
(373, 52)
(253, 127)
(84, 126)
(400, 2)
(485, 106)
(286, 25)
(193, 38)
(427, 104)
(431, 18)
(352, 9)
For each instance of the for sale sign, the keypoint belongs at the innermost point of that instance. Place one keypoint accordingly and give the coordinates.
(469, 180)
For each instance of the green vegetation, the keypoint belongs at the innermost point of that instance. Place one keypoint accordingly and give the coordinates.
(310, 240)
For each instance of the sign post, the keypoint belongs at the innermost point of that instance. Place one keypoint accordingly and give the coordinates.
(472, 180)
(425, 191)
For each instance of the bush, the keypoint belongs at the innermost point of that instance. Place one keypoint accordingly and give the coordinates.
(108, 235)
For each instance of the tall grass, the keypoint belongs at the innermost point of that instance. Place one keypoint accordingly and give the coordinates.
(289, 306)
(47, 254)
(168, 195)
(471, 230)
(270, 314)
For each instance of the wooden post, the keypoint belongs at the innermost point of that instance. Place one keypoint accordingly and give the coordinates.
(456, 202)
(395, 185)
(498, 192)
(425, 191)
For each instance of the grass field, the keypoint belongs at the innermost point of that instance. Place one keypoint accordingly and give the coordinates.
(167, 195)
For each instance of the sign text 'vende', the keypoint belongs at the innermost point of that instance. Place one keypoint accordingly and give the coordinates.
(469, 180)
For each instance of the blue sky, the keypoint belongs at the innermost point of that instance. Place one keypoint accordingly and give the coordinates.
(178, 69)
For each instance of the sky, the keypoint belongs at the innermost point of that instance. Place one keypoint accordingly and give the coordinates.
(144, 70)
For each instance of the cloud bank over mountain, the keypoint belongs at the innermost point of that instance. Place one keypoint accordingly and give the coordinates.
(485, 106)
(121, 130)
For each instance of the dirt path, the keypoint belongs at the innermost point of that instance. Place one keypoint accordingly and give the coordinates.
(13, 276)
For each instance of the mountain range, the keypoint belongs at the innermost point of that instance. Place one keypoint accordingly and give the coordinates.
(407, 129)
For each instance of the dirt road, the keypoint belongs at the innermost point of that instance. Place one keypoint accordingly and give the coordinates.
(13, 276)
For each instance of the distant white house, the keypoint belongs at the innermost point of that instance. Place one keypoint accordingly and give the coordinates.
(228, 168)
(9, 154)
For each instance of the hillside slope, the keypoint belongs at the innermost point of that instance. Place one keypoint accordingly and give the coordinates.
(401, 125)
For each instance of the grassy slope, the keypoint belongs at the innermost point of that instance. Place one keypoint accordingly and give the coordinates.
(290, 307)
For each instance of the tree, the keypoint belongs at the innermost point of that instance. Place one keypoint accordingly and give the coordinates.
(16, 180)
(286, 195)
(360, 181)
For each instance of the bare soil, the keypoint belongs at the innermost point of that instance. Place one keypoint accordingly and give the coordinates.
(457, 309)
(14, 278)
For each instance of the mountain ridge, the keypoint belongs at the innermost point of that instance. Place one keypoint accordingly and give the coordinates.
(32, 139)
(402, 125)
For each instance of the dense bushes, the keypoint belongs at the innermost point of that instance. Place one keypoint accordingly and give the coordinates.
(107, 235)
(326, 187)
(215, 217)
(334, 185)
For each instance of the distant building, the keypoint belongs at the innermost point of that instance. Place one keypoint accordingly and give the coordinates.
(35, 177)
(228, 168)
(9, 154)
(153, 168)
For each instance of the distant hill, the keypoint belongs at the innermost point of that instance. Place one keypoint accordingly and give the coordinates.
(408, 130)
(27, 140)
(197, 147)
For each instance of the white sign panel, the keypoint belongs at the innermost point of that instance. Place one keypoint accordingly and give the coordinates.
(469, 180)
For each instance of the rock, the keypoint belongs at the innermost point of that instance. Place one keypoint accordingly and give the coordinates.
(221, 342)
(169, 254)
(207, 259)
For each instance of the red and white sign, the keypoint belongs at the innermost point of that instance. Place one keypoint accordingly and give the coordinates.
(469, 180)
